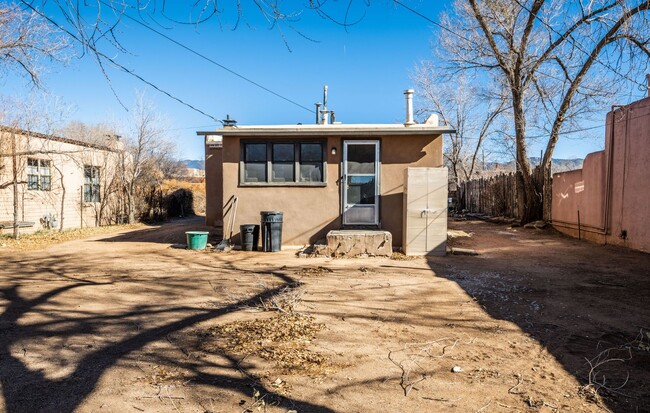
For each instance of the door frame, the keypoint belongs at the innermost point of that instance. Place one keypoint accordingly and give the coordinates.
(344, 180)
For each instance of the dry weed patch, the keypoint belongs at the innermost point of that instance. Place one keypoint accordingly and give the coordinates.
(311, 271)
(282, 339)
(164, 375)
(44, 238)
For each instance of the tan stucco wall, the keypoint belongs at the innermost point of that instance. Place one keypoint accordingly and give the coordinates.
(67, 173)
(214, 187)
(399, 153)
(629, 207)
(310, 212)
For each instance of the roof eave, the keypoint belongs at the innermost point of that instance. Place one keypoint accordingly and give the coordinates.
(326, 131)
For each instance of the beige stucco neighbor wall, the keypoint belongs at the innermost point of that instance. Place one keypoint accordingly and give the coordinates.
(310, 212)
(627, 156)
(64, 199)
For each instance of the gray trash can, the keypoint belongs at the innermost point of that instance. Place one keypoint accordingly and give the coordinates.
(271, 230)
(250, 235)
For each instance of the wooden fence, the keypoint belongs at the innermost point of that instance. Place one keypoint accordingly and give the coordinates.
(495, 196)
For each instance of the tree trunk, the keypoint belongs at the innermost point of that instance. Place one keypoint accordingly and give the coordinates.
(529, 202)
(62, 215)
(129, 206)
(547, 191)
(14, 175)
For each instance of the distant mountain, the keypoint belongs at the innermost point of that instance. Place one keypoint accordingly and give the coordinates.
(194, 164)
(559, 165)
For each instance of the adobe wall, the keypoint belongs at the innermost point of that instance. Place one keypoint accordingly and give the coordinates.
(627, 151)
(581, 190)
(310, 212)
(630, 176)
(214, 186)
(399, 153)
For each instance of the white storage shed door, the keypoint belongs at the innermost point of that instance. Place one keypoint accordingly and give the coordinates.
(425, 211)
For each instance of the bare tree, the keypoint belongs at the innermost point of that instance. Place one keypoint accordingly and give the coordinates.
(26, 39)
(470, 109)
(148, 150)
(559, 60)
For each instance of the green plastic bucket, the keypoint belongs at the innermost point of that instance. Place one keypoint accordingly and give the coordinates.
(197, 240)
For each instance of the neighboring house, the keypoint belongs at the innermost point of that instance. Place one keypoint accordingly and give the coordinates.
(59, 182)
(190, 173)
(607, 200)
(324, 176)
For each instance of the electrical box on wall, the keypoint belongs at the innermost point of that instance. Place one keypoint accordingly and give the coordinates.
(425, 211)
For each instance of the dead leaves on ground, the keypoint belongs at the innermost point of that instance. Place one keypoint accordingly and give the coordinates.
(282, 339)
(44, 238)
(164, 375)
(312, 271)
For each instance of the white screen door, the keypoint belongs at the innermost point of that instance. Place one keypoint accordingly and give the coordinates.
(360, 182)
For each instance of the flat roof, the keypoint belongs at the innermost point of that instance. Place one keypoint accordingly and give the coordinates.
(330, 129)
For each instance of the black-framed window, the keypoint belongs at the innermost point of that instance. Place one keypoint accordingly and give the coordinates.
(91, 184)
(299, 162)
(39, 175)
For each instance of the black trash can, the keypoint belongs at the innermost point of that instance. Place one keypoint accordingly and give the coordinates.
(271, 231)
(250, 235)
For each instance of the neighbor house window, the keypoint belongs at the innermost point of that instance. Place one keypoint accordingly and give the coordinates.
(39, 176)
(91, 184)
(283, 163)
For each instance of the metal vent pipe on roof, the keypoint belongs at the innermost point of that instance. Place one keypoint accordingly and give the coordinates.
(409, 107)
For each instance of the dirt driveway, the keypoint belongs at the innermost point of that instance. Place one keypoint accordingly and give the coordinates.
(126, 323)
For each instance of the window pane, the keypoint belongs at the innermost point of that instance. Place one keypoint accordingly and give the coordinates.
(45, 168)
(255, 172)
(361, 190)
(361, 159)
(95, 193)
(282, 172)
(32, 166)
(283, 152)
(45, 183)
(87, 193)
(255, 152)
(311, 152)
(311, 172)
(32, 181)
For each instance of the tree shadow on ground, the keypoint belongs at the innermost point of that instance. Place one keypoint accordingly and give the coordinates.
(29, 389)
(172, 232)
(583, 302)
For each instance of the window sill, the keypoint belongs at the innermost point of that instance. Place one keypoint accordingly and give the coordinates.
(284, 184)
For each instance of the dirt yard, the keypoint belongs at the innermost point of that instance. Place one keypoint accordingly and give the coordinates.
(128, 323)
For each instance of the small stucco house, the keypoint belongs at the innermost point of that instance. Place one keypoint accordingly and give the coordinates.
(607, 200)
(52, 182)
(323, 176)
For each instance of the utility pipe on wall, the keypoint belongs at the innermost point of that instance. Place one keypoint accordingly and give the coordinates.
(409, 107)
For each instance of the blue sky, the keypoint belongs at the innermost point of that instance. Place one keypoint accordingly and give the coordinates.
(366, 67)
